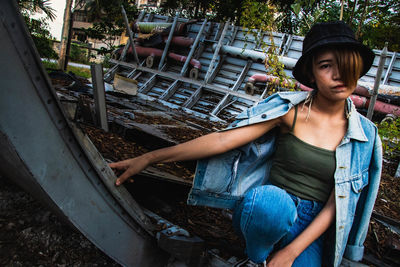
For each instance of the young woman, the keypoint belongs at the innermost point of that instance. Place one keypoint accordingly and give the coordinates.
(295, 165)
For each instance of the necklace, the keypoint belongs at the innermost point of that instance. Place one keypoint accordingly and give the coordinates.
(309, 99)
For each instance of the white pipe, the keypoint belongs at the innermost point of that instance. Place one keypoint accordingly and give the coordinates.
(254, 55)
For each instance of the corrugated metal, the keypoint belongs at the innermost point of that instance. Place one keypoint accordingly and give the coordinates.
(230, 72)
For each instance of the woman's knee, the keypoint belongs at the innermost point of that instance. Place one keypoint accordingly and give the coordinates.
(271, 207)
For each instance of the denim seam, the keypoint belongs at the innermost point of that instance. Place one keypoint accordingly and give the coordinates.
(249, 217)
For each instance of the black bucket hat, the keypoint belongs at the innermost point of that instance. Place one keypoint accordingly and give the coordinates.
(335, 34)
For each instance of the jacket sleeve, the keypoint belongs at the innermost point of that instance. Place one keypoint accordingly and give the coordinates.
(355, 245)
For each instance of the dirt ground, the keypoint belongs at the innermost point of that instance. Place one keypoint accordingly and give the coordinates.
(30, 235)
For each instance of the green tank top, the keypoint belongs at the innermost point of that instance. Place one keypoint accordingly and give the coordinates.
(302, 169)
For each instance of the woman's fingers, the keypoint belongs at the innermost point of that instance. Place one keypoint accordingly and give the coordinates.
(123, 177)
(129, 167)
(120, 165)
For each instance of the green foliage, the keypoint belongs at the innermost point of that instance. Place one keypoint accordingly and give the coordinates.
(32, 6)
(219, 10)
(374, 22)
(39, 28)
(389, 131)
(258, 19)
(82, 72)
(78, 54)
(106, 61)
(108, 22)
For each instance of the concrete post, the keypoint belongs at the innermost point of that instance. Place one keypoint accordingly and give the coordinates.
(377, 82)
(99, 95)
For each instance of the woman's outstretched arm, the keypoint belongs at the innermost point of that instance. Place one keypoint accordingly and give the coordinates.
(321, 223)
(202, 147)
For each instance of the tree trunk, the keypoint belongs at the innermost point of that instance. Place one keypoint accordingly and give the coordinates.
(358, 33)
(350, 21)
(64, 35)
(197, 7)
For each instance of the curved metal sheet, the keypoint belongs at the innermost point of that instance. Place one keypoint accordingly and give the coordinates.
(40, 152)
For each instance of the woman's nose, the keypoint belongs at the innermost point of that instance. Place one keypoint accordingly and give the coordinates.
(335, 73)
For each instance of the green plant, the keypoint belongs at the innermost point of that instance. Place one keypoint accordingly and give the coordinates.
(258, 19)
(106, 61)
(39, 27)
(389, 131)
(78, 54)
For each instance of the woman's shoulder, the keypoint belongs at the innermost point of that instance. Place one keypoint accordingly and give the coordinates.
(367, 126)
(293, 97)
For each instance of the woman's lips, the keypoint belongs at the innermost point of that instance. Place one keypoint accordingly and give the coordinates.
(339, 87)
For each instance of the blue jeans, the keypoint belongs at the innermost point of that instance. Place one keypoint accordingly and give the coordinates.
(270, 218)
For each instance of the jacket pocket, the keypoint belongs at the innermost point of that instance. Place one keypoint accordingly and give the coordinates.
(221, 173)
(358, 184)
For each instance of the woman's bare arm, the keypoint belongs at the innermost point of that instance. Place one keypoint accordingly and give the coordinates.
(202, 147)
(287, 255)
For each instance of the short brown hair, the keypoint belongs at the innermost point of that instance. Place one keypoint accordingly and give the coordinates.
(350, 64)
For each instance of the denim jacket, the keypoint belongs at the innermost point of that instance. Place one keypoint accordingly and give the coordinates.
(221, 181)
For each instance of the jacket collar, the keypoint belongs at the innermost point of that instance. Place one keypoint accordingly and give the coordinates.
(354, 128)
(294, 97)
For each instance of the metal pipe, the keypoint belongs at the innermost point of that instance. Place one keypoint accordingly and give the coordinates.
(377, 82)
(141, 15)
(154, 52)
(180, 40)
(148, 51)
(189, 57)
(128, 29)
(194, 62)
(254, 55)
(379, 106)
(171, 33)
(216, 52)
(389, 69)
(148, 27)
(123, 54)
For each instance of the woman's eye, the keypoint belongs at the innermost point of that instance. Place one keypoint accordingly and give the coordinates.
(324, 66)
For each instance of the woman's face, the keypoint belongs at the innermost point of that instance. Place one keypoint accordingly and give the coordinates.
(327, 77)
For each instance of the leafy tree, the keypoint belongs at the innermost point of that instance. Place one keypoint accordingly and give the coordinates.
(108, 22)
(78, 54)
(32, 6)
(39, 28)
(383, 25)
(375, 22)
(259, 18)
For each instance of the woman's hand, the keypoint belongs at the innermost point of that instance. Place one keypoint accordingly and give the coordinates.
(130, 167)
(282, 258)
